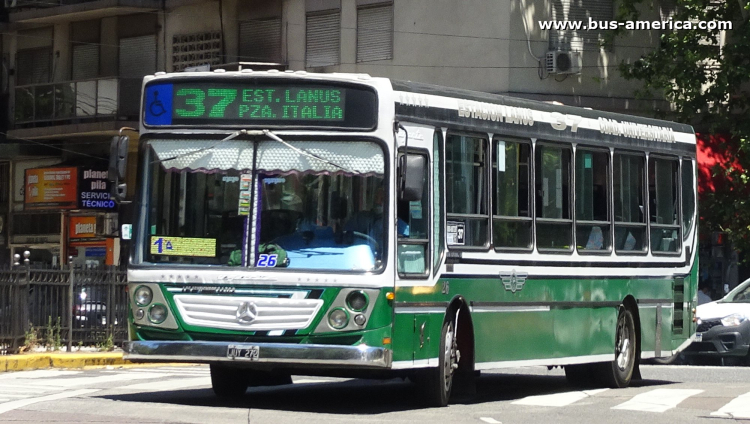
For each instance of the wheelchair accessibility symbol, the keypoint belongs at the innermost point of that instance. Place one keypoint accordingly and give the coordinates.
(158, 104)
(156, 107)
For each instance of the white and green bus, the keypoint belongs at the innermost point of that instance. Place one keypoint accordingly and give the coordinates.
(339, 224)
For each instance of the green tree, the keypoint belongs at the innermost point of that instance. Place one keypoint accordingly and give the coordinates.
(707, 85)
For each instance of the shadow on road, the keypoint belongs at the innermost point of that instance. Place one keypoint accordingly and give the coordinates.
(362, 396)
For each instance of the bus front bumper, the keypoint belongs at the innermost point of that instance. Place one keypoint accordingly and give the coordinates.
(292, 355)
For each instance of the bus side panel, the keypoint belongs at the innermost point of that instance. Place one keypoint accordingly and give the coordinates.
(512, 336)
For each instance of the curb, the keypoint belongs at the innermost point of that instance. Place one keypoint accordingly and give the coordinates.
(60, 360)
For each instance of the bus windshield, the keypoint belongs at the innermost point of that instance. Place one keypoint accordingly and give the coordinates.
(281, 204)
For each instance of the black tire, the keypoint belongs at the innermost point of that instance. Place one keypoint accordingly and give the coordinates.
(228, 382)
(437, 383)
(618, 373)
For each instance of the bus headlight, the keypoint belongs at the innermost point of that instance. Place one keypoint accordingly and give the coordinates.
(143, 296)
(157, 313)
(338, 318)
(360, 320)
(357, 301)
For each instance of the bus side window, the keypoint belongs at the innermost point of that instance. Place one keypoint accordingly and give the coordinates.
(630, 218)
(412, 232)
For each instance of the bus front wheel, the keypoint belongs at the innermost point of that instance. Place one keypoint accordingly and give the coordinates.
(228, 382)
(619, 372)
(437, 383)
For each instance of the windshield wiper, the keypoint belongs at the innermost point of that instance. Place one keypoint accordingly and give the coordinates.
(268, 134)
(229, 137)
(303, 152)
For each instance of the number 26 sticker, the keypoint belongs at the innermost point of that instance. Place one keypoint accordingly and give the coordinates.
(265, 260)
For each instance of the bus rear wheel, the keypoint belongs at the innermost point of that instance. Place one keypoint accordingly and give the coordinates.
(437, 383)
(619, 372)
(228, 382)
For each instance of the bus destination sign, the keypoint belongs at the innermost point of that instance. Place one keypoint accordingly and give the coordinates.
(207, 103)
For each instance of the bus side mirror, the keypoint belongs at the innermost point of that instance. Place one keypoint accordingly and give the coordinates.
(411, 177)
(118, 163)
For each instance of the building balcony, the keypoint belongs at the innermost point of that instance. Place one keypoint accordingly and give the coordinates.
(58, 11)
(47, 107)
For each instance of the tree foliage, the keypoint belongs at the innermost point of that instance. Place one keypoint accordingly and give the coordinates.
(708, 86)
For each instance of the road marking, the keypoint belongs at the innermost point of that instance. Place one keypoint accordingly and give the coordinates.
(490, 420)
(558, 399)
(84, 381)
(658, 400)
(37, 374)
(163, 386)
(9, 406)
(738, 408)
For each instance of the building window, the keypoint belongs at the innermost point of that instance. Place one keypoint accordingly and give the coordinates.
(85, 61)
(34, 66)
(34, 56)
(137, 56)
(260, 40)
(322, 38)
(375, 32)
(196, 50)
(85, 40)
(579, 11)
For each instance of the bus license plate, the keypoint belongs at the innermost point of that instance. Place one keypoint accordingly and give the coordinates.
(698, 337)
(244, 352)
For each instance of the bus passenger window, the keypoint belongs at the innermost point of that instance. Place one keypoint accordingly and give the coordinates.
(662, 190)
(630, 221)
(554, 221)
(592, 200)
(511, 213)
(466, 190)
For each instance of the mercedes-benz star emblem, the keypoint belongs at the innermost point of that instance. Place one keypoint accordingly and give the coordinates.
(246, 313)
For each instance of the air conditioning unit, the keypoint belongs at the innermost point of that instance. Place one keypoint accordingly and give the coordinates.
(564, 62)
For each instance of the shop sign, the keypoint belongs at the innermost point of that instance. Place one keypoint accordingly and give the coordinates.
(82, 227)
(51, 188)
(94, 190)
(82, 231)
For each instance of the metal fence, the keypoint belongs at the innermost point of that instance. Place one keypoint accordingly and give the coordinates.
(62, 308)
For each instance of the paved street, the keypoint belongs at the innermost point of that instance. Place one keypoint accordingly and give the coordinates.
(182, 395)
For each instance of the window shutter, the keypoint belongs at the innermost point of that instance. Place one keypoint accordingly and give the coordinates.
(260, 40)
(137, 56)
(375, 33)
(85, 61)
(323, 39)
(34, 66)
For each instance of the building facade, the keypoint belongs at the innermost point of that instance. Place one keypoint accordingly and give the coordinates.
(72, 72)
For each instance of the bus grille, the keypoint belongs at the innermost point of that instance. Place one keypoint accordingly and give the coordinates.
(247, 313)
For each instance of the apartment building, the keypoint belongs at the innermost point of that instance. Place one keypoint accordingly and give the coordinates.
(72, 72)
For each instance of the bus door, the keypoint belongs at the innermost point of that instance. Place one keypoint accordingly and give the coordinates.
(418, 236)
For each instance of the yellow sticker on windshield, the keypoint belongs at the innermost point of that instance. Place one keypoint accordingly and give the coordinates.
(183, 246)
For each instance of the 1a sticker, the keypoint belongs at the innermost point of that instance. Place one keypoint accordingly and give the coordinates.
(183, 246)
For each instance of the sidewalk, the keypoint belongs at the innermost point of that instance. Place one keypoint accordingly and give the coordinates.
(40, 360)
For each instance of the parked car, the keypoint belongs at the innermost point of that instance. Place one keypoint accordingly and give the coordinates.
(723, 328)
(89, 312)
